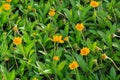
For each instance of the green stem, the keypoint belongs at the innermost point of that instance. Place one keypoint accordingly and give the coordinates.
(42, 46)
(95, 15)
(54, 49)
(54, 63)
(77, 73)
(114, 15)
(114, 63)
(83, 36)
(15, 61)
(57, 46)
(92, 72)
(35, 50)
(72, 49)
(98, 68)
(71, 46)
(86, 59)
(55, 70)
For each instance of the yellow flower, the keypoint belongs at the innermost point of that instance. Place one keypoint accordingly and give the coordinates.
(104, 56)
(6, 6)
(73, 65)
(94, 4)
(51, 12)
(35, 79)
(84, 51)
(17, 40)
(15, 28)
(57, 39)
(66, 39)
(8, 1)
(29, 7)
(79, 26)
(56, 58)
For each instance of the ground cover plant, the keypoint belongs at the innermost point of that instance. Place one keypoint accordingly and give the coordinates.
(59, 40)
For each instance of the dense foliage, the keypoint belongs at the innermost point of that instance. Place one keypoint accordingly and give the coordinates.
(59, 40)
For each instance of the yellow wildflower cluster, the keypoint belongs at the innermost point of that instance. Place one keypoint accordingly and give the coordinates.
(84, 51)
(73, 65)
(6, 6)
(52, 12)
(79, 26)
(94, 4)
(8, 1)
(58, 39)
(17, 40)
(56, 58)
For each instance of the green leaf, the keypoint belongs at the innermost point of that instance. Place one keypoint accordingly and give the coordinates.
(28, 48)
(14, 16)
(118, 77)
(108, 39)
(26, 37)
(40, 65)
(42, 52)
(21, 49)
(103, 36)
(47, 71)
(15, 1)
(66, 29)
(12, 75)
(73, 3)
(0, 76)
(91, 63)
(113, 73)
(4, 47)
(89, 43)
(5, 73)
(84, 12)
(113, 29)
(78, 37)
(101, 22)
(82, 62)
(67, 14)
(116, 45)
(31, 25)
(31, 52)
(32, 59)
(68, 57)
(61, 65)
(45, 39)
(94, 46)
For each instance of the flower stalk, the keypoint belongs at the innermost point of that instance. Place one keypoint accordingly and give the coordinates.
(114, 64)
